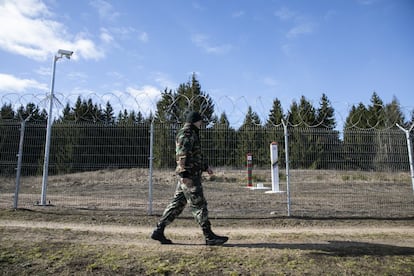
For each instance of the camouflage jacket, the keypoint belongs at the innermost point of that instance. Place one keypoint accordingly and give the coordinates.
(188, 152)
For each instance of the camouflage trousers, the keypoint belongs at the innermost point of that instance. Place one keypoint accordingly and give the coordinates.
(191, 193)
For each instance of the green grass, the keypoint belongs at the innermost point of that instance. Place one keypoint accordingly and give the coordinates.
(66, 252)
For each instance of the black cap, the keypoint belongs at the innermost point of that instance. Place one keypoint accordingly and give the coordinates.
(193, 117)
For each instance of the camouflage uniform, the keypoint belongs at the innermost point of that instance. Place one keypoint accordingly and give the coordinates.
(190, 165)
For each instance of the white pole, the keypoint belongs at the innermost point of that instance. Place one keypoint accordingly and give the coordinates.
(410, 151)
(274, 159)
(275, 168)
(48, 135)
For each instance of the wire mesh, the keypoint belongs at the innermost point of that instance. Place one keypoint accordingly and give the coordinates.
(355, 173)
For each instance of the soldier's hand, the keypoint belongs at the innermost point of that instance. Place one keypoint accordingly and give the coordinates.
(210, 170)
(186, 181)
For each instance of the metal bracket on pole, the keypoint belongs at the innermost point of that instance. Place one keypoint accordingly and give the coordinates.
(410, 150)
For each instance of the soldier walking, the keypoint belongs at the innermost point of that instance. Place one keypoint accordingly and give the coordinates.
(190, 165)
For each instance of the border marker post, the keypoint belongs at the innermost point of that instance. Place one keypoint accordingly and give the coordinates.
(274, 168)
(249, 170)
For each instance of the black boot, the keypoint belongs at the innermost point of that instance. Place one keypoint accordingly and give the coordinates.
(213, 239)
(158, 235)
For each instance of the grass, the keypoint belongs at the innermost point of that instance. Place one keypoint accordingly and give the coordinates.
(73, 251)
(295, 251)
(67, 258)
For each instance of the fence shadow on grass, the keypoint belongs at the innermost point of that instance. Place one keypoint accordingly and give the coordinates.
(336, 248)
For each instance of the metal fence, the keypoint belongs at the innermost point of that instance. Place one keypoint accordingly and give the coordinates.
(354, 173)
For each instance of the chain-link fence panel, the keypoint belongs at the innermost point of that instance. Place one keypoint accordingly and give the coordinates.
(357, 173)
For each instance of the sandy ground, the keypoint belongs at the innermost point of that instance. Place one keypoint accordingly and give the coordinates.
(251, 234)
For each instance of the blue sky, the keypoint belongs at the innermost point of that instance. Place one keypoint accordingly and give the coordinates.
(245, 53)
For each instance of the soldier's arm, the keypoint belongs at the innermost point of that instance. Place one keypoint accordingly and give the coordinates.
(184, 146)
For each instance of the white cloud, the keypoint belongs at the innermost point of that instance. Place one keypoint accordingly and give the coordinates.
(105, 10)
(237, 14)
(164, 80)
(302, 25)
(197, 6)
(287, 49)
(32, 33)
(270, 81)
(80, 77)
(10, 83)
(106, 36)
(44, 71)
(301, 29)
(142, 99)
(202, 41)
(366, 2)
(145, 99)
(285, 14)
(123, 32)
(143, 37)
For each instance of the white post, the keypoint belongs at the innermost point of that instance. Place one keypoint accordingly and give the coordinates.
(274, 166)
(410, 151)
(274, 159)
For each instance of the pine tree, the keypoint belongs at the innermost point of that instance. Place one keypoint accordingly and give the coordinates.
(171, 112)
(33, 110)
(108, 114)
(7, 112)
(326, 141)
(307, 112)
(276, 114)
(357, 117)
(67, 114)
(173, 105)
(393, 114)
(191, 97)
(167, 109)
(301, 141)
(221, 142)
(250, 139)
(325, 116)
(376, 112)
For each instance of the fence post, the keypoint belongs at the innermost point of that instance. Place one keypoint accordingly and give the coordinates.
(410, 151)
(19, 161)
(151, 158)
(285, 130)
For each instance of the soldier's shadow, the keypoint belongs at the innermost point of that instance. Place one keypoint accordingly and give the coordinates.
(336, 248)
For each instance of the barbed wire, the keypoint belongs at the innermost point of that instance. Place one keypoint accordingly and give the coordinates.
(235, 108)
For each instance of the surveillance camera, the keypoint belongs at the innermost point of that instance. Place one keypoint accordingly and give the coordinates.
(65, 53)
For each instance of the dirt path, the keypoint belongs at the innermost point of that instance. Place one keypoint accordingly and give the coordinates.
(186, 231)
(31, 247)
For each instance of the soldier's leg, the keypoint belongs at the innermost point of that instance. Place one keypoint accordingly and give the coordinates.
(171, 212)
(198, 205)
(175, 207)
